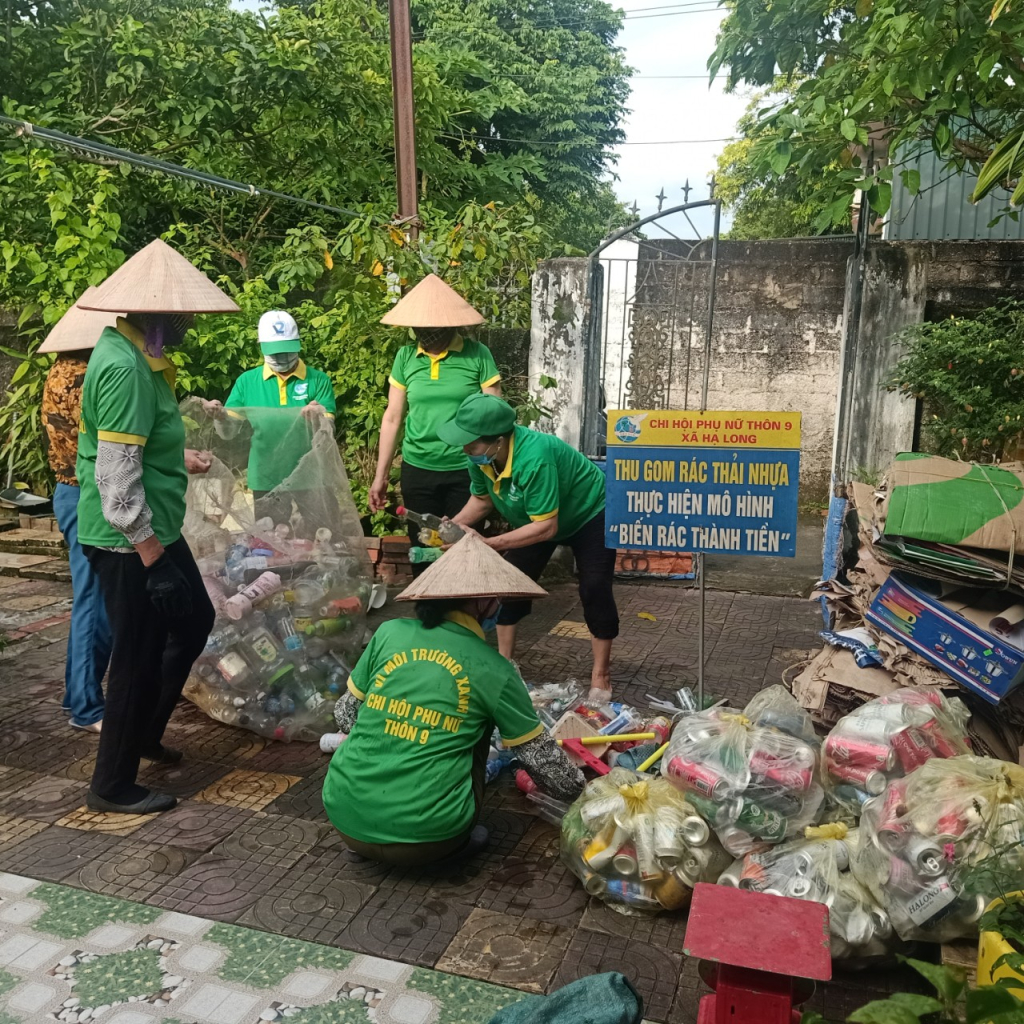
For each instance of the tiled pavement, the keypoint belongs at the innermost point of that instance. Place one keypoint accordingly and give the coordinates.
(248, 846)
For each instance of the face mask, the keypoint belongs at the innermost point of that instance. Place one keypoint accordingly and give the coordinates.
(283, 362)
(163, 329)
(491, 621)
(485, 459)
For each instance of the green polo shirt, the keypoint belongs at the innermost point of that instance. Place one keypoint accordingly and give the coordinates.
(429, 696)
(435, 386)
(129, 397)
(544, 477)
(279, 442)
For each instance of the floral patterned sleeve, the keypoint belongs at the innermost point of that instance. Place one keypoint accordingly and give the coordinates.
(122, 497)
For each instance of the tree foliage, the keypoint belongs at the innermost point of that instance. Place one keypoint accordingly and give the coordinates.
(516, 110)
(936, 74)
(969, 373)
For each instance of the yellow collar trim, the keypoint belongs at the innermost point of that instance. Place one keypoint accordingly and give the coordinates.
(506, 473)
(455, 346)
(159, 364)
(299, 371)
(467, 621)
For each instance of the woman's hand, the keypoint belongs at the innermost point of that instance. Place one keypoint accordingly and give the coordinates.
(378, 494)
(314, 410)
(214, 408)
(197, 462)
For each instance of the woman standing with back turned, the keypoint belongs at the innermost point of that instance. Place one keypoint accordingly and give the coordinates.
(432, 378)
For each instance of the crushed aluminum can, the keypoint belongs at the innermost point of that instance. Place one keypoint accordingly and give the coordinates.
(840, 750)
(871, 780)
(911, 749)
(624, 862)
(672, 892)
(694, 831)
(925, 856)
(698, 777)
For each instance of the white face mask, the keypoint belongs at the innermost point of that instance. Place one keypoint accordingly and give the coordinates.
(283, 362)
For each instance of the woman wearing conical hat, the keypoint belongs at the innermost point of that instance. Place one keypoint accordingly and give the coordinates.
(406, 786)
(132, 471)
(431, 378)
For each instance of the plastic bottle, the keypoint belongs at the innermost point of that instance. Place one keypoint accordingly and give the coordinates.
(448, 531)
(240, 605)
(261, 650)
(420, 555)
(329, 627)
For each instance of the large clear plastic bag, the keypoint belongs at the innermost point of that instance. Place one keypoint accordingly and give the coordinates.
(817, 868)
(937, 846)
(285, 565)
(887, 738)
(637, 844)
(752, 775)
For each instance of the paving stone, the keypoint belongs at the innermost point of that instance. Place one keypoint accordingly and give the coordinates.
(653, 972)
(399, 926)
(56, 852)
(304, 799)
(136, 873)
(534, 883)
(14, 830)
(665, 930)
(332, 853)
(313, 904)
(273, 839)
(202, 739)
(217, 888)
(182, 780)
(252, 791)
(86, 820)
(42, 797)
(289, 758)
(506, 950)
(195, 826)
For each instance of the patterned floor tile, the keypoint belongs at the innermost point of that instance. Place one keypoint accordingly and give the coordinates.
(274, 840)
(182, 780)
(312, 905)
(136, 872)
(304, 799)
(218, 888)
(506, 950)
(15, 830)
(400, 927)
(665, 930)
(86, 820)
(462, 1001)
(196, 826)
(204, 740)
(42, 797)
(652, 972)
(55, 852)
(289, 758)
(251, 791)
(534, 883)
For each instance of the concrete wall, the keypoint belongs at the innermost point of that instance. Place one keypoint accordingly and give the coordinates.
(777, 332)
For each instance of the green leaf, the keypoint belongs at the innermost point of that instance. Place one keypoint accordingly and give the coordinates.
(863, 8)
(949, 983)
(990, 1001)
(779, 160)
(848, 128)
(911, 180)
(886, 1011)
(921, 1005)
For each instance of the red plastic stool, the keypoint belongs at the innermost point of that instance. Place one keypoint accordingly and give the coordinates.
(758, 952)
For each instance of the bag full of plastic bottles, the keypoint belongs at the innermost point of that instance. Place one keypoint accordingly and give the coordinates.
(752, 775)
(637, 844)
(938, 845)
(887, 738)
(278, 540)
(816, 867)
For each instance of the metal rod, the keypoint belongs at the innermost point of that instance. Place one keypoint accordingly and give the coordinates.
(404, 111)
(713, 273)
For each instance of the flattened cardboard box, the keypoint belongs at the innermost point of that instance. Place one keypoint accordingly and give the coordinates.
(949, 502)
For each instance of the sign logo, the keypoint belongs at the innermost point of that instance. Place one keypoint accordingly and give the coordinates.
(301, 389)
(627, 428)
(280, 327)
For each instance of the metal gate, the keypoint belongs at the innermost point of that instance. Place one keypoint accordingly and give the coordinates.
(651, 302)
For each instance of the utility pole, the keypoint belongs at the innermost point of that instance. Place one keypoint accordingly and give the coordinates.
(404, 111)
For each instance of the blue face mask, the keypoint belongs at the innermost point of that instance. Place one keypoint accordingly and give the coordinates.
(489, 624)
(483, 460)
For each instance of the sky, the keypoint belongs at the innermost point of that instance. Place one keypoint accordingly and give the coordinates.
(672, 108)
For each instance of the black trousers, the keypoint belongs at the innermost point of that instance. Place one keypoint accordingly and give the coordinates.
(149, 664)
(440, 494)
(595, 566)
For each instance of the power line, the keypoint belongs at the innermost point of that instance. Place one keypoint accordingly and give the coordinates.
(670, 14)
(469, 136)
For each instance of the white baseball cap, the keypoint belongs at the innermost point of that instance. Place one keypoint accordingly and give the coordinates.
(278, 332)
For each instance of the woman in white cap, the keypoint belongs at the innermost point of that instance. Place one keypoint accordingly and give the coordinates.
(406, 786)
(132, 472)
(431, 378)
(283, 381)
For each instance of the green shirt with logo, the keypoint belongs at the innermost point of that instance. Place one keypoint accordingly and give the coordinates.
(543, 477)
(279, 440)
(435, 386)
(429, 696)
(128, 397)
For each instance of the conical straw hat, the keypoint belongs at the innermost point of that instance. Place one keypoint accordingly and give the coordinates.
(158, 279)
(78, 328)
(468, 569)
(432, 303)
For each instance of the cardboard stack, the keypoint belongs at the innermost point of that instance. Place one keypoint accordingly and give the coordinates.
(932, 570)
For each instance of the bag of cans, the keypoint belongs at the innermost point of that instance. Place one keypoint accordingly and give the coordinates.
(934, 845)
(285, 566)
(887, 738)
(637, 844)
(817, 868)
(752, 775)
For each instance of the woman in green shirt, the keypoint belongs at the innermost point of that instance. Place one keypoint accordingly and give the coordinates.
(406, 786)
(431, 378)
(550, 494)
